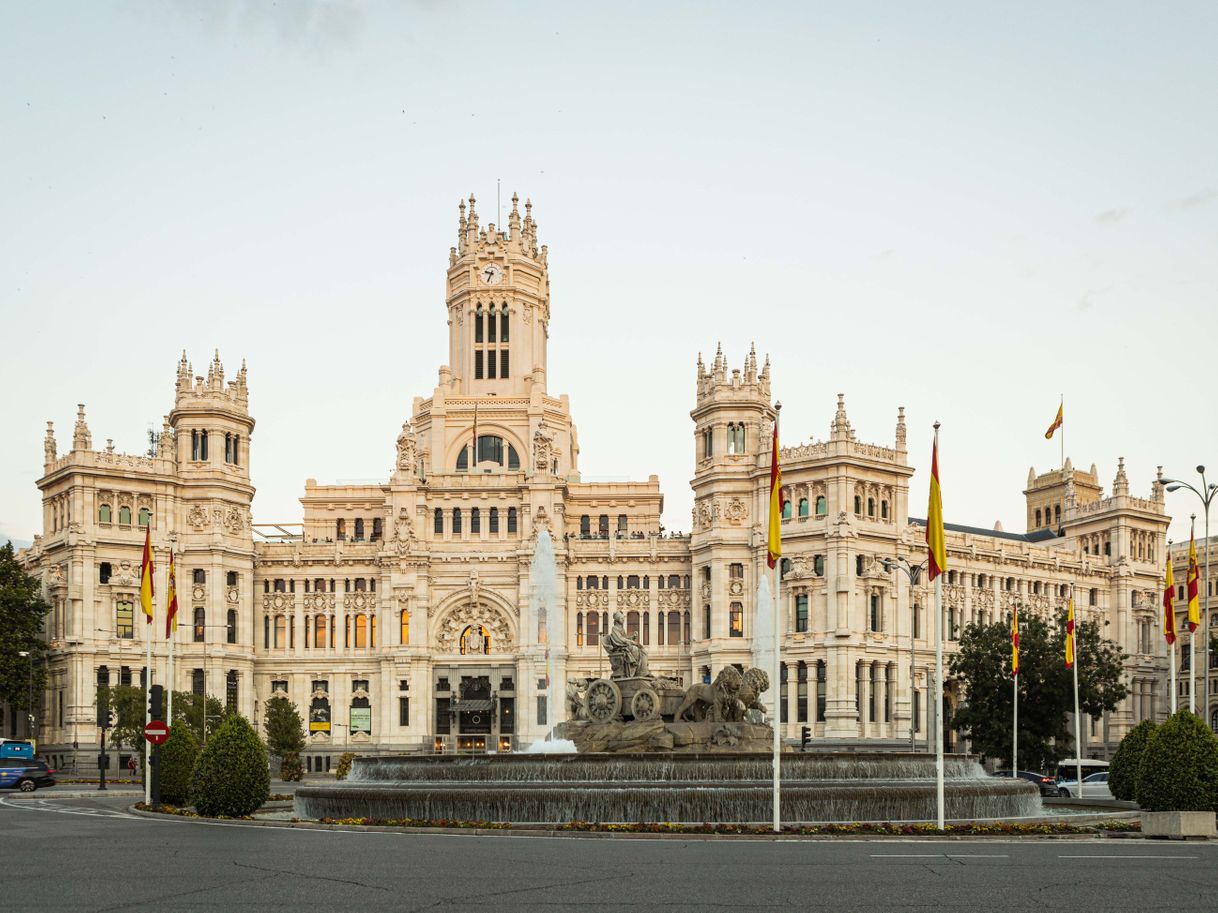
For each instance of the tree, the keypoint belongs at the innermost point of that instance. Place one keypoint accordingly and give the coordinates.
(22, 610)
(285, 736)
(129, 704)
(1046, 691)
(231, 777)
(1179, 767)
(178, 757)
(191, 709)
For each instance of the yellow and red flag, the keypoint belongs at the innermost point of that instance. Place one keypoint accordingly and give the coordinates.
(1194, 608)
(171, 615)
(1014, 642)
(774, 542)
(935, 540)
(1057, 423)
(146, 571)
(1070, 634)
(1169, 610)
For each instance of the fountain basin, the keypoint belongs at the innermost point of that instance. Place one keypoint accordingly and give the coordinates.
(690, 789)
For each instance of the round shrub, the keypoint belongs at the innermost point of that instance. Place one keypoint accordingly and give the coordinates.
(1179, 767)
(178, 757)
(232, 777)
(344, 765)
(290, 768)
(1123, 771)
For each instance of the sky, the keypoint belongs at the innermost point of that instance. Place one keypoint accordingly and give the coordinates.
(966, 209)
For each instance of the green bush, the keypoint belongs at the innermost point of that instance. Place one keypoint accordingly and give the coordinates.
(290, 768)
(1179, 767)
(232, 777)
(344, 765)
(1123, 771)
(178, 757)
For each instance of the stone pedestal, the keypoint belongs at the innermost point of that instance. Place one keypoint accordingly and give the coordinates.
(656, 735)
(1178, 824)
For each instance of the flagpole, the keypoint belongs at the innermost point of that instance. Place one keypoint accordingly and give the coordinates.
(1192, 634)
(776, 676)
(938, 683)
(148, 632)
(1015, 690)
(1078, 731)
(1062, 408)
(1171, 649)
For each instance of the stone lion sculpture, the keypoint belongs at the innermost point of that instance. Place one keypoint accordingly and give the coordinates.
(748, 697)
(713, 702)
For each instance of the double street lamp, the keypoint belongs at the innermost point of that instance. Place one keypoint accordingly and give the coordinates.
(1206, 493)
(914, 573)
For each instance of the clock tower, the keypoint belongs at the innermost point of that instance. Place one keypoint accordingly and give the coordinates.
(498, 295)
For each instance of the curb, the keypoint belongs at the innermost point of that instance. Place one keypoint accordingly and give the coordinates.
(632, 835)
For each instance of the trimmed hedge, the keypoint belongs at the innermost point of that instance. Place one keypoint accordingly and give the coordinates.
(232, 777)
(290, 768)
(1123, 771)
(178, 757)
(344, 765)
(1179, 767)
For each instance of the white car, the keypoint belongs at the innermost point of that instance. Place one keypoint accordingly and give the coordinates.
(1095, 786)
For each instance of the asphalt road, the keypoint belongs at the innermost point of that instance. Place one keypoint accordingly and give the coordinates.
(91, 855)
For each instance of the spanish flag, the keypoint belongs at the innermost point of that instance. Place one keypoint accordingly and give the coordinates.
(171, 615)
(1057, 423)
(1014, 641)
(935, 540)
(146, 571)
(1169, 611)
(1194, 609)
(774, 544)
(1070, 634)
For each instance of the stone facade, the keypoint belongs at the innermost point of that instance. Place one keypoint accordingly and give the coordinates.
(396, 615)
(1208, 605)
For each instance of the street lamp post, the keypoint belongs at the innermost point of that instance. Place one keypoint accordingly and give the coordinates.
(1206, 494)
(30, 706)
(914, 573)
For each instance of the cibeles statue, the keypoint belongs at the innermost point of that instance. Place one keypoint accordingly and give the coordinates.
(627, 658)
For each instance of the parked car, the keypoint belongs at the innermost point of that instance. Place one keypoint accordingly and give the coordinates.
(1094, 787)
(25, 774)
(1047, 785)
(1067, 768)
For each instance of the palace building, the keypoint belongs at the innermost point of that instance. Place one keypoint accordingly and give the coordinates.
(397, 615)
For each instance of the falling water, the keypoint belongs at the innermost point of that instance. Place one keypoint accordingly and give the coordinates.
(546, 612)
(763, 628)
(817, 787)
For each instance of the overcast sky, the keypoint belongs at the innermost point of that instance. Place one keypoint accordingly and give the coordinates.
(967, 209)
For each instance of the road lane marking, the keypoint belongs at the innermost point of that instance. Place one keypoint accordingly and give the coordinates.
(1126, 856)
(940, 856)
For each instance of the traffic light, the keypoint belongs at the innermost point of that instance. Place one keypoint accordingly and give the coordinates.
(104, 717)
(156, 696)
(805, 733)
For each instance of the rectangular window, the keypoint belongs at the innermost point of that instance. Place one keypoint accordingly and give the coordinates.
(706, 622)
(736, 571)
(442, 716)
(478, 365)
(801, 613)
(490, 365)
(403, 711)
(783, 703)
(541, 710)
(279, 686)
(503, 360)
(736, 619)
(801, 694)
(124, 620)
(917, 712)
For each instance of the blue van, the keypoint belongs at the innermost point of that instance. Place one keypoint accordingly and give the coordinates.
(16, 748)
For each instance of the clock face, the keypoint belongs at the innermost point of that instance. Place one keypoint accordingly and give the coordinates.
(492, 274)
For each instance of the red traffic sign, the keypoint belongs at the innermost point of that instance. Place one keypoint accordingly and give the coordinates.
(156, 732)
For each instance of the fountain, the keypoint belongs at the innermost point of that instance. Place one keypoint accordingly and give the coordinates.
(637, 747)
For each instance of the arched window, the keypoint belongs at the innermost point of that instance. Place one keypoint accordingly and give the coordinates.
(602, 526)
(708, 443)
(503, 325)
(439, 522)
(674, 628)
(280, 632)
(456, 521)
(883, 510)
(361, 585)
(511, 519)
(231, 627)
(194, 445)
(875, 612)
(660, 629)
(818, 565)
(594, 636)
(361, 631)
(685, 623)
(858, 504)
(735, 619)
(1057, 514)
(731, 437)
(632, 623)
(786, 504)
(579, 629)
(236, 460)
(103, 514)
(359, 529)
(475, 520)
(340, 528)
(200, 624)
(124, 516)
(493, 520)
(197, 681)
(821, 506)
(871, 507)
(319, 632)
(203, 446)
(378, 529)
(585, 526)
(478, 325)
(859, 565)
(404, 627)
(784, 568)
(803, 507)
(740, 438)
(1038, 518)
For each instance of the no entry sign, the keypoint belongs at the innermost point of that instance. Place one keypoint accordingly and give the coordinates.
(156, 732)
